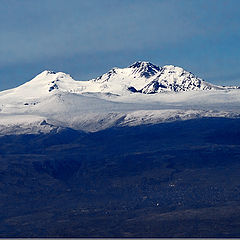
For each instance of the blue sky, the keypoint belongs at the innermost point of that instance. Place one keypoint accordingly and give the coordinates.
(88, 37)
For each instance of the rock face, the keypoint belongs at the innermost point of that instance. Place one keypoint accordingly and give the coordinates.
(171, 78)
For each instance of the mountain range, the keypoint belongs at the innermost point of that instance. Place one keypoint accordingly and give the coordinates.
(142, 93)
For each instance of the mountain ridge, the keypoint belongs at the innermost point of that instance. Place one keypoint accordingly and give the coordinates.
(140, 77)
(145, 77)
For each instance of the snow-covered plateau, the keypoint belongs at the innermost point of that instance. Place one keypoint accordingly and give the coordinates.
(139, 94)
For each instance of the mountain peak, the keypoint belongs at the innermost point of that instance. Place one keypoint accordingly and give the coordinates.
(146, 69)
(143, 64)
(46, 82)
(138, 64)
(46, 72)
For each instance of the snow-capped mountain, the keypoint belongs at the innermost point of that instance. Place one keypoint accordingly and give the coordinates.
(139, 94)
(43, 84)
(140, 77)
(145, 77)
